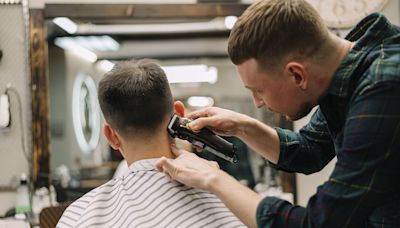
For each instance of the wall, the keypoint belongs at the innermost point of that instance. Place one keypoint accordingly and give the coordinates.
(307, 184)
(392, 11)
(14, 70)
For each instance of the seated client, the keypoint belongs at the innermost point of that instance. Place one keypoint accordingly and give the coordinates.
(137, 105)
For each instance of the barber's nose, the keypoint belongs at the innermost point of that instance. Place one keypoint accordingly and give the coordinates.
(258, 102)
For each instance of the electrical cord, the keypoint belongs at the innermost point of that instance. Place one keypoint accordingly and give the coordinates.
(8, 91)
(24, 150)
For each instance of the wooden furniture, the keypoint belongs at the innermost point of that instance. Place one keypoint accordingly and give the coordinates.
(49, 216)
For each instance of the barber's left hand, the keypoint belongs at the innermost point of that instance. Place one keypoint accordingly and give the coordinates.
(189, 169)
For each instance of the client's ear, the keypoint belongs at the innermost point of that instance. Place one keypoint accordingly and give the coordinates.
(179, 108)
(111, 136)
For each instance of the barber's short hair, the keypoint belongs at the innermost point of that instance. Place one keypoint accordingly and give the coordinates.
(135, 97)
(271, 29)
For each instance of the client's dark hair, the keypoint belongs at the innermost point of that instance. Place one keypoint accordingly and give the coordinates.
(135, 96)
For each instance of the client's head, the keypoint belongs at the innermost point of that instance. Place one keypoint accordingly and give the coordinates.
(136, 102)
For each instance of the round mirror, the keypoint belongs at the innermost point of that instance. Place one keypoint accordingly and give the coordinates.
(86, 113)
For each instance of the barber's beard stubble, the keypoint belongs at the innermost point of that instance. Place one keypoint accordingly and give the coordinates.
(304, 110)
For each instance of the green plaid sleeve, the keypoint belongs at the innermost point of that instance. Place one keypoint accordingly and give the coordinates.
(366, 176)
(307, 151)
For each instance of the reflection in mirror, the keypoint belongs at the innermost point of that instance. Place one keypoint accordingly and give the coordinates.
(85, 113)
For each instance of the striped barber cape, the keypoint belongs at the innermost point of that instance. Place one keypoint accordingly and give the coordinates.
(144, 197)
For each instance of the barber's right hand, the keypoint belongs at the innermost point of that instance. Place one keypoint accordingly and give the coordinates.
(189, 169)
(220, 121)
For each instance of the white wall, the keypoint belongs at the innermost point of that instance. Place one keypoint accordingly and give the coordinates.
(14, 69)
(392, 11)
(307, 184)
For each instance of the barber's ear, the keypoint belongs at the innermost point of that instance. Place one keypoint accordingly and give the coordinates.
(298, 74)
(111, 136)
(179, 108)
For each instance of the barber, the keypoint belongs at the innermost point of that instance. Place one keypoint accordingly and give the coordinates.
(290, 62)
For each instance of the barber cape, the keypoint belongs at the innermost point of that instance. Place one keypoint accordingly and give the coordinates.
(144, 197)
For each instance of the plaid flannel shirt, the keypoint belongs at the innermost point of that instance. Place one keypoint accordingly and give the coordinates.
(358, 121)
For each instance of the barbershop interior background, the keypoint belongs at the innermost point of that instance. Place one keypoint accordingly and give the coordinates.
(54, 52)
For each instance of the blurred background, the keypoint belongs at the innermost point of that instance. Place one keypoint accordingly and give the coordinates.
(54, 52)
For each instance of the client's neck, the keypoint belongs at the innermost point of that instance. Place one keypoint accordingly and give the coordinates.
(154, 146)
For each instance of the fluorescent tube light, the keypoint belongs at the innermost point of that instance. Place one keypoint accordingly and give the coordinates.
(230, 21)
(179, 74)
(10, 1)
(199, 101)
(93, 43)
(97, 43)
(68, 44)
(216, 24)
(191, 74)
(66, 24)
(105, 65)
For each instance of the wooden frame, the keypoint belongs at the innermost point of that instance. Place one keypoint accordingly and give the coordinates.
(40, 99)
(143, 11)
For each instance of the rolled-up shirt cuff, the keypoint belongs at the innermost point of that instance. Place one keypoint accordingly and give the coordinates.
(282, 147)
(268, 211)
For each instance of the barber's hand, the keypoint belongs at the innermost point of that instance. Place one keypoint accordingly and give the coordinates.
(189, 169)
(221, 121)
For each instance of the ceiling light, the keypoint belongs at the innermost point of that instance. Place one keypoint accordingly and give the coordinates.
(199, 101)
(94, 43)
(86, 113)
(10, 1)
(105, 65)
(69, 45)
(230, 21)
(97, 43)
(179, 74)
(216, 24)
(191, 74)
(66, 24)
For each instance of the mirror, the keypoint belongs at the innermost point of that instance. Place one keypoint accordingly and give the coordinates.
(84, 46)
(85, 113)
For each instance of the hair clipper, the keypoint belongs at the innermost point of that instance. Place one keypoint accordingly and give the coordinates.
(205, 138)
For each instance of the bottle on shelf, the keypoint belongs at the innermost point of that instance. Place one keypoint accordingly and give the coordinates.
(23, 201)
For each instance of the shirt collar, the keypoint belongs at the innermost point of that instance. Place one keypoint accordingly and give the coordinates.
(371, 31)
(143, 165)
